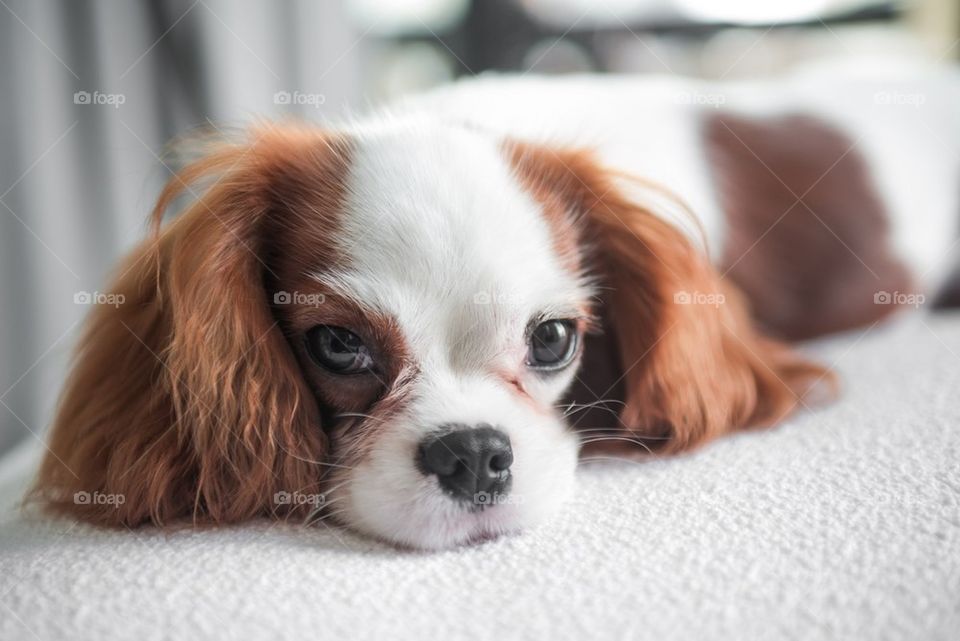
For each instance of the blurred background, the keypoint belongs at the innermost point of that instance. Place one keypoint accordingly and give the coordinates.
(92, 90)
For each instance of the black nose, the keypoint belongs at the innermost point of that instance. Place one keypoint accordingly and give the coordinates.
(468, 461)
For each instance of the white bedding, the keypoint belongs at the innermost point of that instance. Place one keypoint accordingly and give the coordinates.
(843, 524)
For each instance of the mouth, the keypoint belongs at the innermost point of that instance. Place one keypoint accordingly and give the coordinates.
(472, 528)
(485, 523)
(485, 537)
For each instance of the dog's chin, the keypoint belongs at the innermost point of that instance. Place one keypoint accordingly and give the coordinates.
(400, 505)
(468, 527)
(438, 523)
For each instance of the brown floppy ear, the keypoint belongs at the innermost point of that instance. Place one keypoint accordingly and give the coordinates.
(679, 355)
(185, 399)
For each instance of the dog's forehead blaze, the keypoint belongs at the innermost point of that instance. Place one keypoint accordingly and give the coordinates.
(436, 219)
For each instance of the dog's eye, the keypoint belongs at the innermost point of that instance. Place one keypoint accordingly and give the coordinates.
(552, 344)
(338, 350)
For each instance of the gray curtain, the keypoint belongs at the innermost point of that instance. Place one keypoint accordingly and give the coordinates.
(90, 93)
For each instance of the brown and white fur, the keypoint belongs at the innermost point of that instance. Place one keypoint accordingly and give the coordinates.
(686, 230)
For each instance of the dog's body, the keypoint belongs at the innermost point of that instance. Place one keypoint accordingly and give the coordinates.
(389, 314)
(890, 135)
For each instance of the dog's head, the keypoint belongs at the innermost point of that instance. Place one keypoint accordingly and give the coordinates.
(382, 326)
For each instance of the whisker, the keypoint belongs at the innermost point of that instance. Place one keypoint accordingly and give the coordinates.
(329, 491)
(599, 401)
(573, 408)
(613, 431)
(312, 462)
(614, 437)
(608, 459)
(319, 510)
(315, 521)
(325, 505)
(624, 439)
(359, 415)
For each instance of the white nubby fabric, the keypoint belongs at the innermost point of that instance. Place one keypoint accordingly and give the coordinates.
(843, 523)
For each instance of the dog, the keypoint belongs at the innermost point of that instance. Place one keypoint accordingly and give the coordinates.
(414, 323)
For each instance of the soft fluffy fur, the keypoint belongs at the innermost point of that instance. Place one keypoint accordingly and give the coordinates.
(438, 242)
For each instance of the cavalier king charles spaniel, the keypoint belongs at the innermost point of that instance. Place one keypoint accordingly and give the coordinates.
(418, 321)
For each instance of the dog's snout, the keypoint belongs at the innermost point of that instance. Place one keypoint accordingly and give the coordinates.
(468, 462)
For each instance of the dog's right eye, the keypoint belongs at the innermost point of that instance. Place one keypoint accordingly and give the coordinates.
(338, 350)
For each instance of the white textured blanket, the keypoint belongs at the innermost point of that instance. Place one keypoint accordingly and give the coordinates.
(843, 524)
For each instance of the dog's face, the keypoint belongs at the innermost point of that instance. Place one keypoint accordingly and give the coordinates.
(389, 318)
(448, 329)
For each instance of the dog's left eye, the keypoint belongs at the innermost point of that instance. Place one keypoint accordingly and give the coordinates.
(552, 344)
(338, 350)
